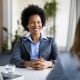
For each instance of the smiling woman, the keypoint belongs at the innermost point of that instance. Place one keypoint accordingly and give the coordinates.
(35, 25)
(35, 50)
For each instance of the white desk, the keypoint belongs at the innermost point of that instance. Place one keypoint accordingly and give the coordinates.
(30, 74)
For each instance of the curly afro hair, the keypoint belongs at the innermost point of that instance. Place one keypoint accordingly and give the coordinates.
(29, 11)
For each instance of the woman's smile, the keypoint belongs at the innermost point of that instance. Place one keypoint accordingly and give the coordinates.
(35, 24)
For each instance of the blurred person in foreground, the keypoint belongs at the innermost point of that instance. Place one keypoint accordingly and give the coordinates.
(1, 77)
(36, 50)
(67, 65)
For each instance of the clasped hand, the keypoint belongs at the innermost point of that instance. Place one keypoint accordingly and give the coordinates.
(40, 64)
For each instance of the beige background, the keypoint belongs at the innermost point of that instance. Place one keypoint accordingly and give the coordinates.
(0, 24)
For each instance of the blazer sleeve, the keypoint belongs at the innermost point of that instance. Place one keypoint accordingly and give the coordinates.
(16, 55)
(54, 50)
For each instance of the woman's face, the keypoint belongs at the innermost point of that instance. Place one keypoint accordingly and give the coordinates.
(35, 24)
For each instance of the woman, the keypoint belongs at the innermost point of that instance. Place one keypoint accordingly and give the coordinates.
(67, 66)
(35, 50)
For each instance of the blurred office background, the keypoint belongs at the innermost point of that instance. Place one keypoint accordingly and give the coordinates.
(67, 13)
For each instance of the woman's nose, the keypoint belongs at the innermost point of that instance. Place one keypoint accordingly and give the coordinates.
(36, 24)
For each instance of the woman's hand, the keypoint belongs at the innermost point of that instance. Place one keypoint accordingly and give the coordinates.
(40, 64)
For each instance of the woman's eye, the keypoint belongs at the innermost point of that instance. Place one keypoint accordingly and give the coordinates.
(31, 22)
(38, 22)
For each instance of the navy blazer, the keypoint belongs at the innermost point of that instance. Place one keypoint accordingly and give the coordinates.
(22, 51)
(64, 69)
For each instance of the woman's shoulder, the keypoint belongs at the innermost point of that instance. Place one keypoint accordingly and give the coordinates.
(20, 40)
(51, 38)
(23, 38)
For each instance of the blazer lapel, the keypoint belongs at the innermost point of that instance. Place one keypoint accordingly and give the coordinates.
(27, 47)
(42, 47)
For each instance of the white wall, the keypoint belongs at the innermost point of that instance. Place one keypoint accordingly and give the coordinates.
(72, 24)
(7, 19)
(78, 8)
(62, 21)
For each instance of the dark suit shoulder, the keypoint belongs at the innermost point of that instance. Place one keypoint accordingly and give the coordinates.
(23, 39)
(50, 38)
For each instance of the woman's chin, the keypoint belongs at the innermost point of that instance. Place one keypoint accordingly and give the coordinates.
(36, 32)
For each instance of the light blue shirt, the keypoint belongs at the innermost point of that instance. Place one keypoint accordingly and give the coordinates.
(35, 47)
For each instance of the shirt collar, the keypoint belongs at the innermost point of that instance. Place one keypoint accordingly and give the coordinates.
(42, 37)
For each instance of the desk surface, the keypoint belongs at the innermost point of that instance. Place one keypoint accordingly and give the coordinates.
(30, 74)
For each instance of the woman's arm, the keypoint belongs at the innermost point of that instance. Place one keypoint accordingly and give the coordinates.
(16, 55)
(38, 64)
(54, 51)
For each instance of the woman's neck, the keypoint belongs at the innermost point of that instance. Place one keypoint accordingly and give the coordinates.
(35, 38)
